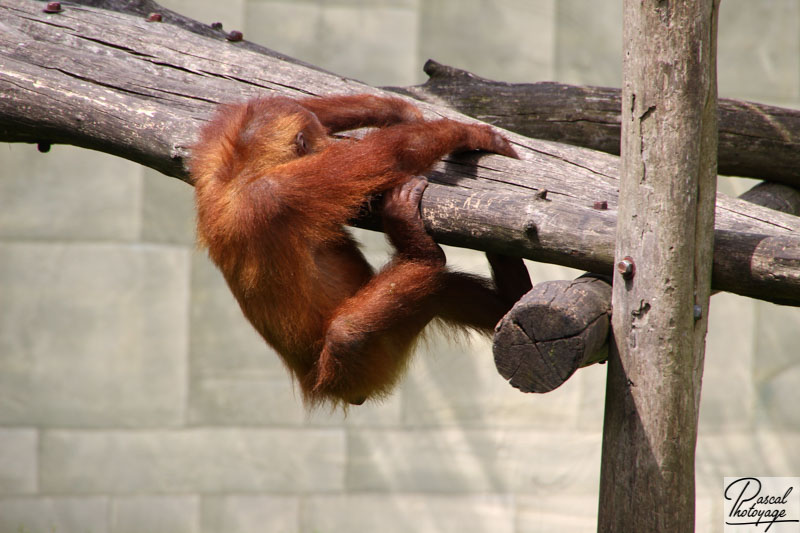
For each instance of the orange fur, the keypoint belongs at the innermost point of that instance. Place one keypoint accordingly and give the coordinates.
(273, 193)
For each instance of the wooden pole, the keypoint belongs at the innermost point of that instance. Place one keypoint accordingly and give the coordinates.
(662, 281)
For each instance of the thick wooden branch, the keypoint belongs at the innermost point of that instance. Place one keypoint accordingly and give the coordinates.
(755, 140)
(113, 82)
(560, 326)
(775, 196)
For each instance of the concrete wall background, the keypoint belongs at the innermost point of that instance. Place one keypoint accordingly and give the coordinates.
(135, 398)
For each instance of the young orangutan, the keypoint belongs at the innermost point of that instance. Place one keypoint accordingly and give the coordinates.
(273, 192)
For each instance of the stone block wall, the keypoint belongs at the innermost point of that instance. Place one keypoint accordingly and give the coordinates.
(135, 398)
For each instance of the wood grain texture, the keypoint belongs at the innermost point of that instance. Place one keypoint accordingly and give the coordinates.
(665, 227)
(755, 140)
(556, 328)
(560, 326)
(110, 81)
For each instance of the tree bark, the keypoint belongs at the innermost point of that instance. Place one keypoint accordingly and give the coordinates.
(560, 326)
(667, 188)
(755, 140)
(556, 328)
(775, 196)
(116, 83)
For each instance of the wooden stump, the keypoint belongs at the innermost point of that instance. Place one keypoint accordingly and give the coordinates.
(558, 327)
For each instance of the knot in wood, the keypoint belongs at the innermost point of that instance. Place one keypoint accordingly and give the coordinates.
(234, 36)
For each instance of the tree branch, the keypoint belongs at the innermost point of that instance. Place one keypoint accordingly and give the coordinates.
(755, 140)
(113, 82)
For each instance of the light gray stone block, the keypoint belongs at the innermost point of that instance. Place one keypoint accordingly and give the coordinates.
(401, 513)
(265, 402)
(754, 44)
(728, 396)
(384, 413)
(778, 399)
(749, 453)
(57, 515)
(456, 383)
(93, 335)
(167, 210)
(734, 186)
(373, 43)
(776, 367)
(243, 401)
(223, 343)
(556, 512)
(473, 461)
(708, 513)
(250, 514)
(591, 403)
(732, 453)
(190, 461)
(155, 514)
(588, 47)
(497, 39)
(68, 194)
(230, 12)
(291, 28)
(18, 460)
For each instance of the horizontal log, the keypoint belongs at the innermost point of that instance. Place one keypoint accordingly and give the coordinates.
(755, 140)
(556, 328)
(139, 90)
(775, 196)
(560, 326)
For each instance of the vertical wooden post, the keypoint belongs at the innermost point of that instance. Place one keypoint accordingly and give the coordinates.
(664, 249)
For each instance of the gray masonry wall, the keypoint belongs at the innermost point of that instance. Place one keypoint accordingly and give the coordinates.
(134, 398)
